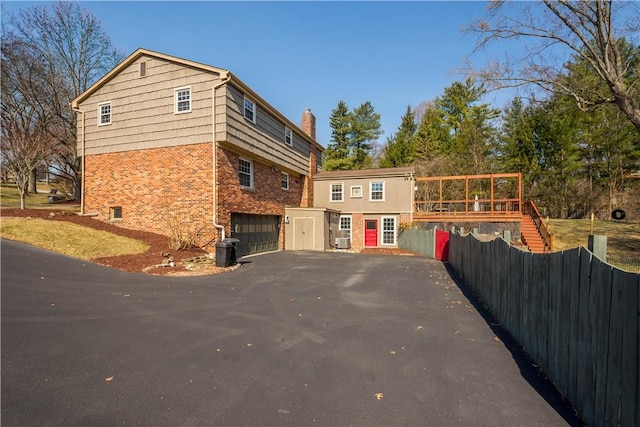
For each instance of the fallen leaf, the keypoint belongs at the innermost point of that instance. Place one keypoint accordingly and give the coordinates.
(218, 350)
(420, 327)
(379, 396)
(496, 339)
(249, 344)
(52, 305)
(319, 298)
(41, 277)
(392, 352)
(126, 295)
(299, 314)
(108, 379)
(292, 299)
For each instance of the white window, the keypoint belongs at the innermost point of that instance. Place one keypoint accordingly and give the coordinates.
(182, 100)
(246, 173)
(388, 230)
(376, 191)
(288, 136)
(249, 110)
(115, 213)
(284, 181)
(104, 113)
(345, 224)
(336, 192)
(356, 191)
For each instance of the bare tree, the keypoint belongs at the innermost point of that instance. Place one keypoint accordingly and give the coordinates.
(75, 52)
(26, 128)
(593, 31)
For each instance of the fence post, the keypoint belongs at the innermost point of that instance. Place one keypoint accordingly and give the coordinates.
(598, 246)
(507, 236)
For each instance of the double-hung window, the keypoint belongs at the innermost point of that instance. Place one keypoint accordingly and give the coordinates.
(376, 191)
(104, 113)
(288, 136)
(345, 224)
(284, 181)
(246, 173)
(388, 230)
(336, 192)
(249, 110)
(182, 100)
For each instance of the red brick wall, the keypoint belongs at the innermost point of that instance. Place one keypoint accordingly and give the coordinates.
(155, 187)
(266, 198)
(357, 230)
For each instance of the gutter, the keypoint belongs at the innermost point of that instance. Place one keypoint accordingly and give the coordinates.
(225, 77)
(82, 151)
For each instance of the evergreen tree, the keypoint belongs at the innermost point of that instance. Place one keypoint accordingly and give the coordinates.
(399, 149)
(337, 155)
(365, 131)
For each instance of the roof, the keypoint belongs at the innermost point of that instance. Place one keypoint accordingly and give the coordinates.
(365, 173)
(224, 74)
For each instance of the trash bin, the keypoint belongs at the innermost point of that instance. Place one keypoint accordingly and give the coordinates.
(233, 258)
(223, 253)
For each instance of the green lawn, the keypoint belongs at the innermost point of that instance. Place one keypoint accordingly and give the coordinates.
(10, 198)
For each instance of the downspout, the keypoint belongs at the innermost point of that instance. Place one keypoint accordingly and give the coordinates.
(82, 151)
(225, 77)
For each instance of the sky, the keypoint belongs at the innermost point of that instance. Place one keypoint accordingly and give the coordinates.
(300, 55)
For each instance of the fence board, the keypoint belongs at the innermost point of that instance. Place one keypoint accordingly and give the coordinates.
(584, 397)
(600, 306)
(571, 286)
(558, 320)
(527, 308)
(614, 353)
(630, 403)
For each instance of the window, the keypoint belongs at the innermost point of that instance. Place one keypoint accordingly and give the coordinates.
(115, 213)
(104, 113)
(377, 190)
(246, 173)
(336, 192)
(288, 136)
(183, 100)
(345, 224)
(284, 181)
(389, 230)
(143, 69)
(356, 191)
(249, 110)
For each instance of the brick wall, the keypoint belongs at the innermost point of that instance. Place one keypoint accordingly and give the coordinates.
(266, 198)
(156, 188)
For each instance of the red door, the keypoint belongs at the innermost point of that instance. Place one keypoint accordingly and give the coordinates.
(371, 232)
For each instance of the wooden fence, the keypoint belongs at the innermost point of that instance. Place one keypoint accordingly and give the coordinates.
(432, 243)
(576, 316)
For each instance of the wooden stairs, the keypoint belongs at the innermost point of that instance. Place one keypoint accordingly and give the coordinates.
(531, 235)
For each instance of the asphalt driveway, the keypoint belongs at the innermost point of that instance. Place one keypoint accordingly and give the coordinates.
(290, 338)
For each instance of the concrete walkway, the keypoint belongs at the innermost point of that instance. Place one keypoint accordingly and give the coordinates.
(288, 339)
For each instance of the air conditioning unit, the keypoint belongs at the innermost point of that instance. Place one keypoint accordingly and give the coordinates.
(343, 243)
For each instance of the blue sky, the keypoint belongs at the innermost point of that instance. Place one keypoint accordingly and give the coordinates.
(300, 55)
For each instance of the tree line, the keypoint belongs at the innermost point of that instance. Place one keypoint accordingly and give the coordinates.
(577, 143)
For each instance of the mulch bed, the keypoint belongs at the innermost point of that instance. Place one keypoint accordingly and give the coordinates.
(158, 245)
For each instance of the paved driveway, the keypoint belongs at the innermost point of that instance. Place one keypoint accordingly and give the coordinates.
(290, 338)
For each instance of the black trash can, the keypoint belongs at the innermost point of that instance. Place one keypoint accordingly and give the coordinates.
(223, 253)
(233, 258)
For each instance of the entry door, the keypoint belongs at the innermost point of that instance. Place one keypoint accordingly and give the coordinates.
(371, 232)
(303, 234)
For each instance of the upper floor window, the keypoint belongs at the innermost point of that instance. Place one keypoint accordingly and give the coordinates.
(284, 181)
(104, 113)
(249, 110)
(246, 173)
(288, 136)
(336, 192)
(377, 190)
(183, 100)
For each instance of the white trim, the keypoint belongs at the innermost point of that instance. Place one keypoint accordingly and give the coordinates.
(371, 199)
(251, 172)
(331, 184)
(395, 230)
(100, 105)
(288, 132)
(282, 175)
(244, 109)
(176, 101)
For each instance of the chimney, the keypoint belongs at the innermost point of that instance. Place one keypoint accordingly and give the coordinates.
(309, 123)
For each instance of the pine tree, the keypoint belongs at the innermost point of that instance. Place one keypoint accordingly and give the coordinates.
(399, 149)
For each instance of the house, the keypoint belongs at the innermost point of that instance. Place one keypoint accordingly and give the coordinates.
(190, 151)
(365, 206)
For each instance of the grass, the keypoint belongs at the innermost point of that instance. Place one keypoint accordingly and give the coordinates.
(68, 238)
(623, 239)
(10, 198)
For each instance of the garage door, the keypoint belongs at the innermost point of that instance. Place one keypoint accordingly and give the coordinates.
(257, 233)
